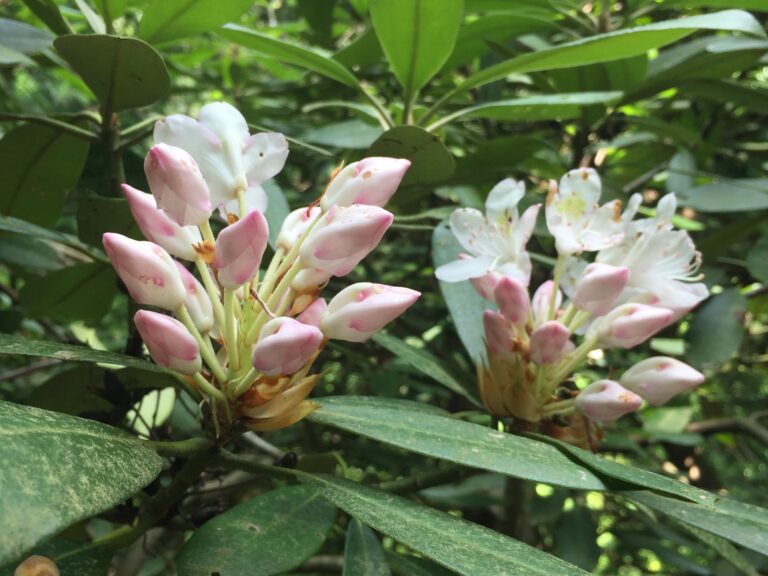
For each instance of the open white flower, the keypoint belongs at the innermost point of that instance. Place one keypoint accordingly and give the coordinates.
(495, 242)
(230, 158)
(575, 218)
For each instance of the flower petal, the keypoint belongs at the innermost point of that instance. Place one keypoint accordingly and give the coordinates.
(464, 269)
(264, 156)
(501, 204)
(473, 233)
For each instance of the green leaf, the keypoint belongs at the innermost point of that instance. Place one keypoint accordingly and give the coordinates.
(682, 168)
(72, 558)
(749, 531)
(728, 196)
(39, 166)
(417, 37)
(461, 546)
(48, 12)
(350, 134)
(165, 20)
(277, 210)
(267, 535)
(724, 548)
(430, 159)
(71, 391)
(464, 303)
(363, 553)
(424, 362)
(24, 38)
(47, 349)
(722, 315)
(122, 72)
(60, 469)
(80, 292)
(29, 254)
(575, 537)
(443, 437)
(95, 21)
(305, 57)
(98, 214)
(757, 260)
(17, 226)
(406, 565)
(614, 45)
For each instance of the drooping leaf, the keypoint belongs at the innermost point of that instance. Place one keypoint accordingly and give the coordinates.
(94, 19)
(575, 537)
(49, 13)
(29, 254)
(267, 535)
(122, 72)
(363, 553)
(757, 260)
(721, 315)
(430, 159)
(728, 196)
(99, 214)
(349, 134)
(39, 166)
(165, 20)
(466, 548)
(23, 37)
(60, 469)
(417, 37)
(292, 53)
(25, 228)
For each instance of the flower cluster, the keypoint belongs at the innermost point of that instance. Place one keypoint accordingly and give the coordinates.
(642, 277)
(244, 338)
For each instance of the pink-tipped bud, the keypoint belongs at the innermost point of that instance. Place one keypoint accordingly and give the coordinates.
(344, 236)
(659, 378)
(295, 224)
(198, 303)
(239, 249)
(147, 271)
(599, 288)
(498, 334)
(284, 346)
(169, 343)
(485, 284)
(631, 324)
(549, 342)
(606, 400)
(157, 227)
(313, 313)
(542, 300)
(513, 301)
(360, 310)
(178, 185)
(370, 181)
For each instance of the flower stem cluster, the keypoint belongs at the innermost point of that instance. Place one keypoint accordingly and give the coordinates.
(640, 279)
(247, 339)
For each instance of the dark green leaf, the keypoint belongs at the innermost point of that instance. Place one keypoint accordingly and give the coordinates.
(48, 12)
(405, 565)
(122, 72)
(575, 534)
(267, 535)
(99, 214)
(430, 159)
(464, 547)
(417, 37)
(17, 226)
(22, 37)
(165, 20)
(350, 134)
(722, 315)
(60, 469)
(757, 260)
(39, 166)
(277, 210)
(728, 196)
(723, 547)
(71, 391)
(29, 254)
(363, 553)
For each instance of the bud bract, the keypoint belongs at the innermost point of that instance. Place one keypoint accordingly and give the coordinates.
(606, 400)
(343, 237)
(498, 334)
(599, 287)
(169, 343)
(157, 227)
(310, 280)
(178, 185)
(370, 181)
(360, 310)
(147, 270)
(549, 342)
(239, 249)
(198, 303)
(296, 224)
(659, 378)
(631, 324)
(512, 299)
(284, 346)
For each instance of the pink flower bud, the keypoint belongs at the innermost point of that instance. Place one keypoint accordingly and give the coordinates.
(549, 342)
(370, 181)
(284, 346)
(486, 284)
(542, 300)
(168, 341)
(310, 280)
(313, 313)
(157, 227)
(239, 249)
(178, 185)
(513, 301)
(147, 271)
(197, 302)
(498, 334)
(599, 288)
(344, 236)
(295, 224)
(360, 310)
(606, 400)
(659, 378)
(631, 324)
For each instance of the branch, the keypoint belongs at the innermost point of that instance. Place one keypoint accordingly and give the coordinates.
(749, 425)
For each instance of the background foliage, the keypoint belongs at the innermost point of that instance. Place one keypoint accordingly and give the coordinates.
(661, 96)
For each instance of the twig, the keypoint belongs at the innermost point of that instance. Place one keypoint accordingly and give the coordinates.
(748, 425)
(29, 369)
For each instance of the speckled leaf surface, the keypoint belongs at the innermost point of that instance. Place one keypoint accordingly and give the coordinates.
(461, 546)
(363, 553)
(58, 469)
